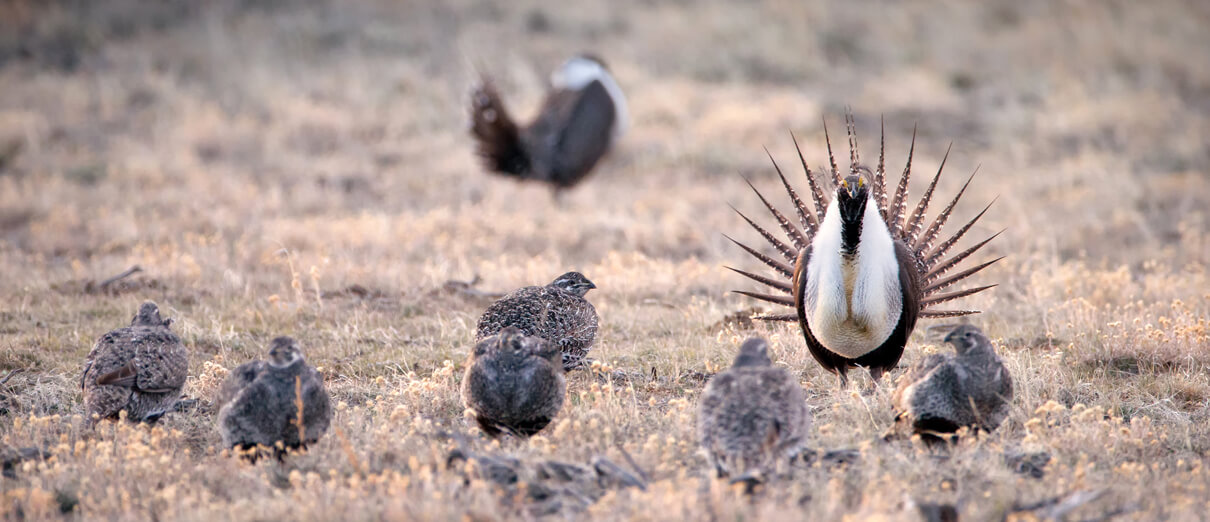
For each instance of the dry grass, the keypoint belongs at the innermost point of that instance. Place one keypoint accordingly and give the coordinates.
(302, 169)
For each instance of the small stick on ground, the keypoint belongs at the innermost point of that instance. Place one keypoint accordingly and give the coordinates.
(10, 375)
(129, 272)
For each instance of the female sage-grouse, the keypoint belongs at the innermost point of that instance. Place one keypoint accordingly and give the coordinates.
(944, 392)
(514, 383)
(583, 114)
(556, 312)
(140, 369)
(259, 401)
(860, 272)
(753, 415)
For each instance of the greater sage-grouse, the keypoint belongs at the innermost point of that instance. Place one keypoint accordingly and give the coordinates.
(753, 415)
(583, 114)
(556, 312)
(139, 369)
(859, 272)
(514, 383)
(259, 402)
(944, 392)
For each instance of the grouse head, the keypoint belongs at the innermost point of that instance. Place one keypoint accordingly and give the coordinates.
(283, 352)
(512, 340)
(573, 282)
(852, 196)
(966, 337)
(149, 315)
(754, 352)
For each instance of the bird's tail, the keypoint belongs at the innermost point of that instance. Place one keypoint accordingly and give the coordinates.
(497, 136)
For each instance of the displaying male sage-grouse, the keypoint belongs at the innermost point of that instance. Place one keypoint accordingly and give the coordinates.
(944, 392)
(753, 415)
(583, 114)
(514, 383)
(556, 312)
(860, 272)
(140, 369)
(259, 401)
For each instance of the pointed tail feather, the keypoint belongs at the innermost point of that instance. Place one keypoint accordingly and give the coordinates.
(831, 158)
(787, 318)
(851, 127)
(879, 182)
(780, 285)
(944, 283)
(805, 215)
(817, 194)
(785, 249)
(899, 202)
(497, 136)
(935, 256)
(939, 314)
(916, 223)
(925, 243)
(936, 300)
(792, 232)
(783, 300)
(780, 267)
(953, 261)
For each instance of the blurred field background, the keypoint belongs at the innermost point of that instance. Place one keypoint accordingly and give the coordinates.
(303, 168)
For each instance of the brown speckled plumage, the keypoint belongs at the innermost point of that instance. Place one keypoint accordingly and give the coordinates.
(140, 369)
(944, 392)
(258, 401)
(753, 415)
(514, 383)
(556, 312)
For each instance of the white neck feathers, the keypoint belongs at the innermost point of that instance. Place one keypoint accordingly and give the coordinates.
(853, 303)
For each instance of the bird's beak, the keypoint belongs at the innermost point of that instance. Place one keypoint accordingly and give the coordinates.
(854, 188)
(591, 285)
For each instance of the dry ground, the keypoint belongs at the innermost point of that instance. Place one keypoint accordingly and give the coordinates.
(302, 168)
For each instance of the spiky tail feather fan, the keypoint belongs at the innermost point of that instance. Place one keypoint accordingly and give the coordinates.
(498, 137)
(931, 261)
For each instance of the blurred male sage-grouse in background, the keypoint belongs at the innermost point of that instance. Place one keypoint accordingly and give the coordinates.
(944, 392)
(556, 312)
(140, 369)
(752, 416)
(259, 402)
(860, 272)
(514, 383)
(581, 117)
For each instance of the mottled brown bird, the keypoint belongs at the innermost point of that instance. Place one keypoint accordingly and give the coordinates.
(944, 392)
(139, 369)
(514, 383)
(860, 271)
(556, 312)
(752, 416)
(259, 401)
(581, 117)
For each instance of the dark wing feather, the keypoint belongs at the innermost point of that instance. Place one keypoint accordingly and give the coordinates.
(125, 376)
(586, 136)
(498, 140)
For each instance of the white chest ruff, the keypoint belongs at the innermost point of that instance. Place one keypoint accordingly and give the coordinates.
(853, 304)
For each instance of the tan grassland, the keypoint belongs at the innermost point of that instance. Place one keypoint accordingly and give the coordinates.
(302, 168)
